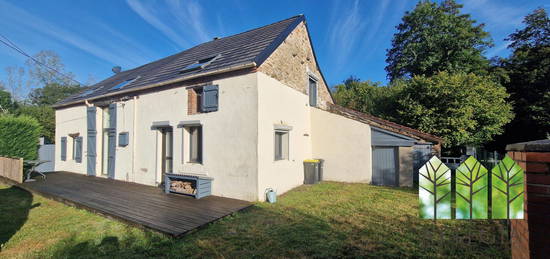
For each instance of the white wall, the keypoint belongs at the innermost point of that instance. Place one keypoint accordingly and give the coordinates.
(69, 121)
(344, 144)
(229, 137)
(238, 139)
(280, 104)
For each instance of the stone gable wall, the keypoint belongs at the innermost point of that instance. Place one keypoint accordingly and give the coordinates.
(293, 61)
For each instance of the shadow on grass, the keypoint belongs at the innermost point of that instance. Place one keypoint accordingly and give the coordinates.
(284, 231)
(15, 205)
(328, 220)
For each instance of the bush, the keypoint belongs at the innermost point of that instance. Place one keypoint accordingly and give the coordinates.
(19, 136)
(45, 115)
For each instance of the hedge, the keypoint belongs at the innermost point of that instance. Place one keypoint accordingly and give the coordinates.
(19, 136)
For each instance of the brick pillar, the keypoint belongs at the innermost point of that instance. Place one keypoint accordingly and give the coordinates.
(531, 236)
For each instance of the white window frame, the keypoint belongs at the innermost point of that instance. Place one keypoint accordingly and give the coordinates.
(187, 144)
(281, 133)
(314, 79)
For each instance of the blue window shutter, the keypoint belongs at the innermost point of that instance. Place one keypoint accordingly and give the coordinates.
(112, 115)
(63, 148)
(78, 151)
(209, 102)
(91, 142)
(112, 141)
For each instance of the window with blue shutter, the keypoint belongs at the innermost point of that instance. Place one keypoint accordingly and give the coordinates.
(209, 102)
(63, 148)
(78, 149)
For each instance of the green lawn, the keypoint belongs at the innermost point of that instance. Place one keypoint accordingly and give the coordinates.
(324, 220)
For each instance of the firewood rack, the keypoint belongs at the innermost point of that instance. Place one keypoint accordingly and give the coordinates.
(202, 184)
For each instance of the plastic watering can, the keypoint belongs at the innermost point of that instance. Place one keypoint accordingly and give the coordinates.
(271, 195)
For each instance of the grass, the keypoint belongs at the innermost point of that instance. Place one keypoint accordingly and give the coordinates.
(325, 220)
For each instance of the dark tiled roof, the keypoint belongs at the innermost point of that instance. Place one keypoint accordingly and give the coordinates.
(250, 46)
(381, 123)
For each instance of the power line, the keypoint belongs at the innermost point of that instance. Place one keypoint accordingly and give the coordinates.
(13, 46)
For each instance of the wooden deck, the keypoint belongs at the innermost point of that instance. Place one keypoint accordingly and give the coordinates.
(136, 204)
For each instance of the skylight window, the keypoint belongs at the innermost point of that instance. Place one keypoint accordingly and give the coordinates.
(123, 84)
(85, 93)
(200, 64)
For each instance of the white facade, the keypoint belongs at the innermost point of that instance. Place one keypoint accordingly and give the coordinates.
(238, 139)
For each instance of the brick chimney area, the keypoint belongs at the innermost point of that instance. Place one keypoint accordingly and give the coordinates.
(531, 236)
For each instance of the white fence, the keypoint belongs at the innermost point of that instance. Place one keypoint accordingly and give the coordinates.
(46, 152)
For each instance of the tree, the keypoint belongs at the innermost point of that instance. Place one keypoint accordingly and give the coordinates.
(528, 70)
(46, 68)
(433, 38)
(7, 105)
(52, 93)
(368, 97)
(16, 82)
(45, 115)
(463, 109)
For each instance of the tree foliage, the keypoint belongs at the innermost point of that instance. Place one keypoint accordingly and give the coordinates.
(45, 115)
(41, 73)
(368, 97)
(6, 102)
(437, 37)
(52, 93)
(528, 72)
(463, 109)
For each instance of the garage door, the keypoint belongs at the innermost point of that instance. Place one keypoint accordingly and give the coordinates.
(384, 161)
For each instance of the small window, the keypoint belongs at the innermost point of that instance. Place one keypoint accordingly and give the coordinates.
(312, 92)
(198, 100)
(195, 144)
(281, 145)
(200, 64)
(202, 99)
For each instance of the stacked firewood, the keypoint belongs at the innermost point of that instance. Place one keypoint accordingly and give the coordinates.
(182, 187)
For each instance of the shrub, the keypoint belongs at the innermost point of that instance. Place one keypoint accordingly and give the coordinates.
(19, 136)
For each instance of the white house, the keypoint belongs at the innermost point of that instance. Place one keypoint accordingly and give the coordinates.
(245, 110)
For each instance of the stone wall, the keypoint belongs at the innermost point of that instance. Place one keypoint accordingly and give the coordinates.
(529, 236)
(292, 63)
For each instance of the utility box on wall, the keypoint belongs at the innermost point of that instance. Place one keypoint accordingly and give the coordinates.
(123, 138)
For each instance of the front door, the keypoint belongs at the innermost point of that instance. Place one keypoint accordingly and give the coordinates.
(384, 169)
(167, 150)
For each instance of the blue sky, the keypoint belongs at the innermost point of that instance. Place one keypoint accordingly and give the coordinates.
(349, 37)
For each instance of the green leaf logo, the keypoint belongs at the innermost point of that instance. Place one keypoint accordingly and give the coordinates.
(434, 190)
(471, 190)
(507, 190)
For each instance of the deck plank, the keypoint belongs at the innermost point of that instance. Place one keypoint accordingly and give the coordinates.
(137, 204)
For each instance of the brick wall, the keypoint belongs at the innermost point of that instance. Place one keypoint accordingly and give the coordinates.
(191, 101)
(531, 236)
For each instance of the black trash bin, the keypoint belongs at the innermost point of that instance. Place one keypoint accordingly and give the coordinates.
(311, 171)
